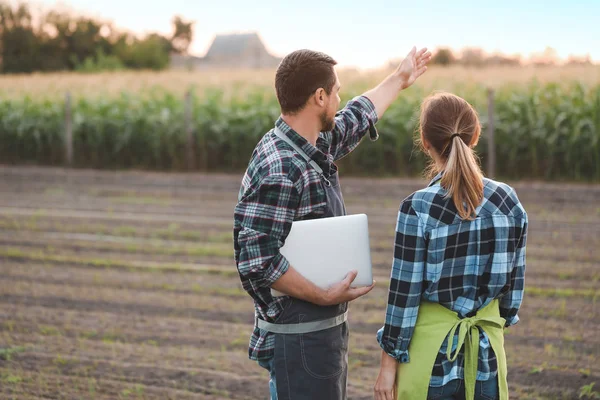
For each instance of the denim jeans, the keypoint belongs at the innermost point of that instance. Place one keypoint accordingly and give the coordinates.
(268, 365)
(455, 390)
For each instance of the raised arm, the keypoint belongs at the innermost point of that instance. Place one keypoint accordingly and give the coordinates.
(362, 113)
(412, 67)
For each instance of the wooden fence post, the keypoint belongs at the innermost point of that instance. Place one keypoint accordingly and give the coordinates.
(191, 144)
(491, 139)
(68, 131)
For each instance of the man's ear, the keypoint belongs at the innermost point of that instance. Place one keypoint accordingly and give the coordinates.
(319, 97)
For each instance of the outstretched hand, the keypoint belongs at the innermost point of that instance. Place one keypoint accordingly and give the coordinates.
(413, 66)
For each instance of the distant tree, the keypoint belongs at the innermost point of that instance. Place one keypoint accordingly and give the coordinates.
(152, 52)
(472, 57)
(547, 58)
(443, 56)
(183, 33)
(19, 41)
(501, 60)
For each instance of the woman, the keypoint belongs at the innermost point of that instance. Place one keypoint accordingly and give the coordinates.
(459, 264)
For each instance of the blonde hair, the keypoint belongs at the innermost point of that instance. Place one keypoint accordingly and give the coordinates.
(451, 126)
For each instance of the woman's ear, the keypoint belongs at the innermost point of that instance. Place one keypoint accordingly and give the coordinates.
(426, 144)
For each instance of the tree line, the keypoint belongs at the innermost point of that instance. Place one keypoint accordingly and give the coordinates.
(60, 40)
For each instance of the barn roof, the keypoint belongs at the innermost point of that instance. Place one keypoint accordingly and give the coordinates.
(232, 45)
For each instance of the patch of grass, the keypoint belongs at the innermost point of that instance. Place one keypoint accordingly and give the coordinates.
(59, 360)
(126, 230)
(139, 200)
(88, 334)
(565, 276)
(588, 392)
(6, 354)
(49, 330)
(536, 370)
(585, 372)
(560, 292)
(92, 384)
(17, 254)
(571, 338)
(9, 325)
(239, 342)
(11, 379)
(235, 292)
(550, 349)
(189, 235)
(209, 251)
(361, 352)
(57, 191)
(224, 237)
(112, 337)
(192, 251)
(133, 248)
(354, 363)
(172, 232)
(137, 391)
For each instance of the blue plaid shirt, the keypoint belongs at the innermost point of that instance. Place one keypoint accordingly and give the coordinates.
(461, 264)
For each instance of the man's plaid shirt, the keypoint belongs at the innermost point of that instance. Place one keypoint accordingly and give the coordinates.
(277, 189)
(461, 264)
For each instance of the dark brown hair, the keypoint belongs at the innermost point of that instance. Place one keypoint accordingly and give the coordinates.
(451, 125)
(299, 75)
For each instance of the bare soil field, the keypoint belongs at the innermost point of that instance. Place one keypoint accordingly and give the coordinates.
(122, 285)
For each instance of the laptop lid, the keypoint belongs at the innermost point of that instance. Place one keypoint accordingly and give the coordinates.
(325, 250)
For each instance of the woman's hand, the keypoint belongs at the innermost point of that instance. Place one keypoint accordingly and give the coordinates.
(385, 387)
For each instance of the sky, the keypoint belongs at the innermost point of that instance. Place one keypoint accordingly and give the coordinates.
(369, 33)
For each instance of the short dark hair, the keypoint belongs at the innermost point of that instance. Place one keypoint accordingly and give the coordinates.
(299, 74)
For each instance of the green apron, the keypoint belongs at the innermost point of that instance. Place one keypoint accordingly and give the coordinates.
(434, 322)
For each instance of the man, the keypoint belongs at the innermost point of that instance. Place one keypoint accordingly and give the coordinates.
(291, 176)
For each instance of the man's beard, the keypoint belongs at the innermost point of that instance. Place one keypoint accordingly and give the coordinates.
(327, 124)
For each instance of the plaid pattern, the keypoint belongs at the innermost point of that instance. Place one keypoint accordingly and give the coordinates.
(277, 189)
(463, 265)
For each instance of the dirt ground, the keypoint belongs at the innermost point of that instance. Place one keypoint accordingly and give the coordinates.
(122, 285)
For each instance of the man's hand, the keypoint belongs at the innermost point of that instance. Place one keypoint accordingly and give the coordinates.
(385, 387)
(413, 66)
(342, 292)
(294, 284)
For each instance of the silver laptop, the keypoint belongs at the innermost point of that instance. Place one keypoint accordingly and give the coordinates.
(325, 250)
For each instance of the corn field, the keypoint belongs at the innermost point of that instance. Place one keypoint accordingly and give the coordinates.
(544, 130)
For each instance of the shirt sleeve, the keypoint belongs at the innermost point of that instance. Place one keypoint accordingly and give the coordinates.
(351, 124)
(265, 216)
(406, 283)
(511, 301)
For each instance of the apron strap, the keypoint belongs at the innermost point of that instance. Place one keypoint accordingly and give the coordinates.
(468, 333)
(310, 161)
(303, 327)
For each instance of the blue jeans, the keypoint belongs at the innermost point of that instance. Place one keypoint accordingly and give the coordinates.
(268, 365)
(455, 389)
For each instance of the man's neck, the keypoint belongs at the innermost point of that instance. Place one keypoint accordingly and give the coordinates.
(305, 126)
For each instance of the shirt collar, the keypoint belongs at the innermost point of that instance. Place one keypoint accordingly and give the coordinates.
(301, 142)
(436, 178)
